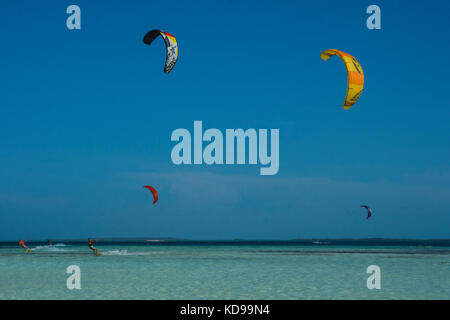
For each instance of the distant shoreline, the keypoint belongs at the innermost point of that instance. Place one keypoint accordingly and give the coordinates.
(187, 242)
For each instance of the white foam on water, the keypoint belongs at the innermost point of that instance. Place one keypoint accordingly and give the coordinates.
(47, 249)
(320, 242)
(60, 245)
(124, 253)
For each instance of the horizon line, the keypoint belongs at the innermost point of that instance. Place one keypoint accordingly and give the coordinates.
(173, 239)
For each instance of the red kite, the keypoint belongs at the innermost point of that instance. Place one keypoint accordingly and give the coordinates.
(154, 192)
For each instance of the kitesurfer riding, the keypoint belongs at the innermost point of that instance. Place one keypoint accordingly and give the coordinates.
(23, 245)
(91, 246)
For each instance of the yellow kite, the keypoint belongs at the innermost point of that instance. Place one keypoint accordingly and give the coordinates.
(355, 75)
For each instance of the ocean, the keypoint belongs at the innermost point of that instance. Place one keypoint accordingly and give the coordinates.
(167, 269)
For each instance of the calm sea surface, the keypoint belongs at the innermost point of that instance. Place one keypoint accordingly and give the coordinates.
(270, 270)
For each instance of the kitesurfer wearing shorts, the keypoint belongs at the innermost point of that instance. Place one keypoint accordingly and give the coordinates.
(91, 246)
(22, 244)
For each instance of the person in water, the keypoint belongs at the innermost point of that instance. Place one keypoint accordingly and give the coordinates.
(91, 246)
(23, 245)
(49, 242)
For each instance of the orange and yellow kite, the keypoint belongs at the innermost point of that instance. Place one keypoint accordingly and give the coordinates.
(355, 75)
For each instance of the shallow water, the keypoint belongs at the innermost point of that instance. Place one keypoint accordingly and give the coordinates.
(225, 272)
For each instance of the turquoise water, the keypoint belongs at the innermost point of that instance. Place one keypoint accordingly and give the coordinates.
(225, 272)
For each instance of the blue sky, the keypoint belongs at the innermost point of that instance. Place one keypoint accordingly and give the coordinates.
(86, 118)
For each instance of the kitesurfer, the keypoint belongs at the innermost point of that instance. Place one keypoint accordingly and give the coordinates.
(91, 246)
(23, 245)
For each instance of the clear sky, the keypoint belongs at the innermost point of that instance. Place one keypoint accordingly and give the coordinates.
(86, 118)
